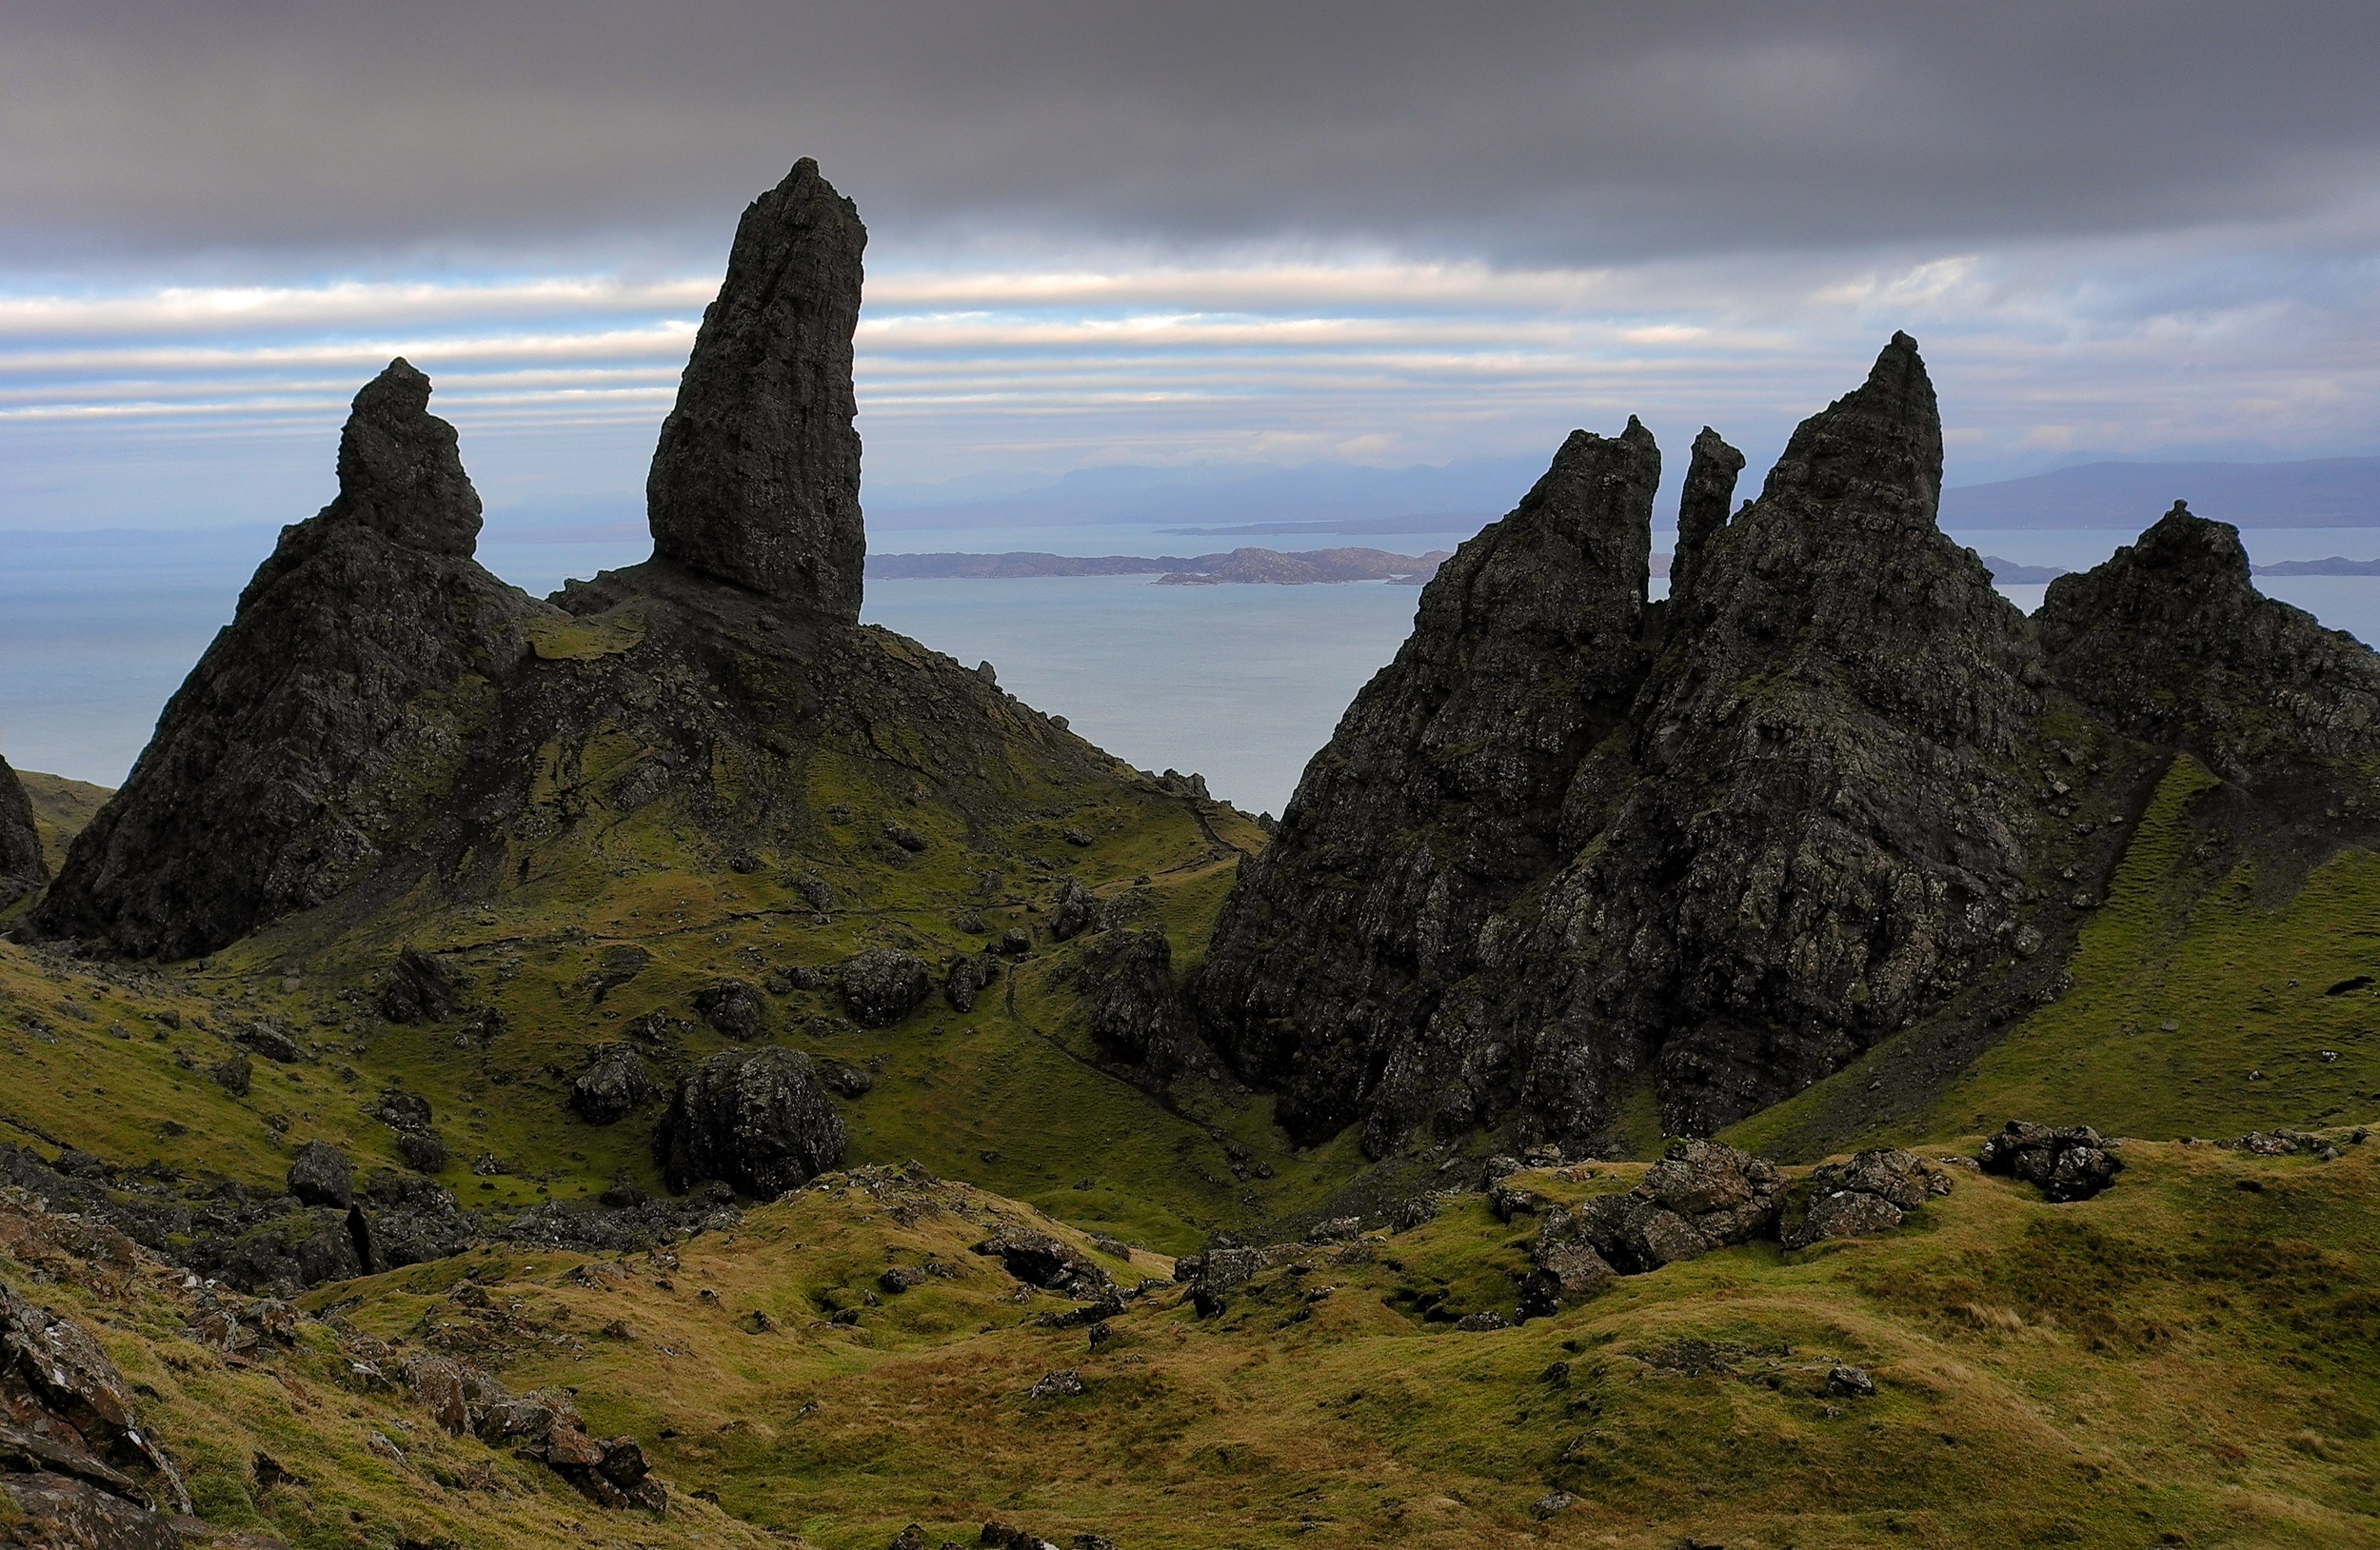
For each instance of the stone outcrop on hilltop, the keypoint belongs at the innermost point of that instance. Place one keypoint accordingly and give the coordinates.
(22, 870)
(1772, 822)
(304, 746)
(1703, 507)
(1442, 794)
(2170, 642)
(756, 480)
(384, 714)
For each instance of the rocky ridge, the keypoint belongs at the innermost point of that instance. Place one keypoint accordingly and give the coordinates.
(1716, 846)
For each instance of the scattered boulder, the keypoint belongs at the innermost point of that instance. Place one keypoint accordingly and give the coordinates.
(1039, 1259)
(1850, 1382)
(883, 985)
(757, 1120)
(614, 1085)
(968, 977)
(731, 1007)
(272, 1041)
(755, 479)
(234, 1075)
(2066, 1163)
(1700, 1196)
(403, 1111)
(845, 1080)
(1867, 1196)
(1057, 1385)
(1016, 941)
(420, 989)
(1075, 912)
(423, 1151)
(321, 1175)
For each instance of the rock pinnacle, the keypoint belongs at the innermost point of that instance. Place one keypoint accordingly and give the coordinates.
(755, 479)
(400, 472)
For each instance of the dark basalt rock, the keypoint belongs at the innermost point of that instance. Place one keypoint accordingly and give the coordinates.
(22, 871)
(1440, 795)
(321, 1175)
(968, 977)
(883, 985)
(1702, 507)
(420, 988)
(1075, 912)
(732, 1007)
(2170, 642)
(1135, 1014)
(2065, 1163)
(1727, 842)
(1039, 1259)
(74, 1462)
(756, 480)
(759, 1120)
(1869, 1195)
(614, 1085)
(312, 741)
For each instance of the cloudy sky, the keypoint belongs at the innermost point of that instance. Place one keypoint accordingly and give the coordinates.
(1383, 233)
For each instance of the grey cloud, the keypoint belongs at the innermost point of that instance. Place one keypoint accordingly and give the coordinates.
(1545, 131)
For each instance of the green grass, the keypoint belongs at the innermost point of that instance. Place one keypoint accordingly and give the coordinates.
(61, 807)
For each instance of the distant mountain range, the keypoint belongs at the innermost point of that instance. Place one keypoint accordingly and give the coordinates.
(1248, 565)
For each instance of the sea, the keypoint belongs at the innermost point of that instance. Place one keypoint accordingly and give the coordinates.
(1238, 684)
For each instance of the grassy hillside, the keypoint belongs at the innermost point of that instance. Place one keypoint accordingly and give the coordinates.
(61, 807)
(2212, 993)
(2184, 1361)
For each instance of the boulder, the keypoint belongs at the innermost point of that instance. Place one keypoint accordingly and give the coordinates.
(420, 988)
(234, 1075)
(22, 870)
(731, 1007)
(883, 985)
(1039, 1259)
(1135, 1014)
(757, 1120)
(2066, 1163)
(1076, 910)
(1864, 1197)
(1700, 1196)
(614, 1085)
(756, 478)
(968, 977)
(321, 1175)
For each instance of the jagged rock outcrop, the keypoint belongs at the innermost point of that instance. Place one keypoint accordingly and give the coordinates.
(614, 1085)
(22, 870)
(1868, 1195)
(2170, 642)
(1135, 1013)
(309, 742)
(2066, 1163)
(757, 1120)
(1440, 795)
(756, 480)
(1703, 507)
(75, 1466)
(1719, 845)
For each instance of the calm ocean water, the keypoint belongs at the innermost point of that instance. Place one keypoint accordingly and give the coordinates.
(1240, 684)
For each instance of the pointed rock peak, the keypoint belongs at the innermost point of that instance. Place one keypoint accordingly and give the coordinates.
(1875, 453)
(1703, 507)
(400, 472)
(755, 479)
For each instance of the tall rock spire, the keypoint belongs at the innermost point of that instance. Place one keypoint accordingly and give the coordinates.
(755, 479)
(1703, 507)
(1875, 454)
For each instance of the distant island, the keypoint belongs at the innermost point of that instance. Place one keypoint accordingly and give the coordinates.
(1244, 565)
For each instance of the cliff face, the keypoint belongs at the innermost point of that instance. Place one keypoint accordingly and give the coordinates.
(307, 744)
(21, 866)
(1785, 818)
(756, 480)
(1440, 796)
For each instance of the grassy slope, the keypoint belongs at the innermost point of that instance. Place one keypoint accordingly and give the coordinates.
(61, 807)
(1010, 1094)
(2197, 1007)
(2178, 1359)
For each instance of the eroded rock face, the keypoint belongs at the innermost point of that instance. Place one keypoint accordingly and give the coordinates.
(2170, 642)
(22, 870)
(1567, 843)
(1135, 1014)
(756, 480)
(757, 1120)
(310, 741)
(1440, 795)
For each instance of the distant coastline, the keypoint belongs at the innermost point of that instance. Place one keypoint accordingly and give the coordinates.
(1237, 567)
